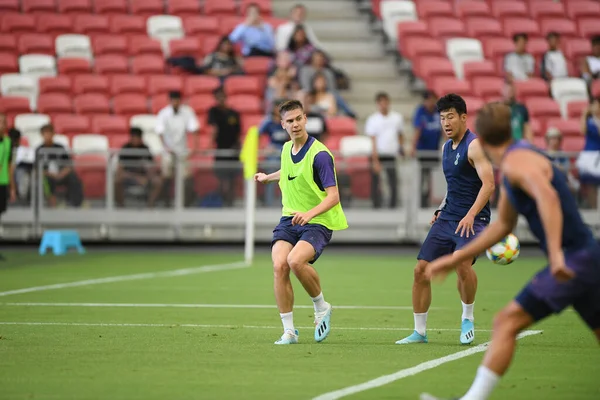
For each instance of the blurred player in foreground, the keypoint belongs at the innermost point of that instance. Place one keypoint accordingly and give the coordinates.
(534, 187)
(464, 213)
(311, 211)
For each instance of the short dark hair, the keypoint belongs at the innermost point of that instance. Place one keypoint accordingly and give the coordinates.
(552, 34)
(135, 131)
(14, 134)
(450, 101)
(381, 96)
(427, 94)
(595, 40)
(290, 105)
(46, 128)
(493, 124)
(298, 5)
(175, 94)
(253, 5)
(520, 35)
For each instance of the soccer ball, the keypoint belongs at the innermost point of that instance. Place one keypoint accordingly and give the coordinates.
(504, 252)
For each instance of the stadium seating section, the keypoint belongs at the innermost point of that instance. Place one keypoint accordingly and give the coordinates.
(459, 46)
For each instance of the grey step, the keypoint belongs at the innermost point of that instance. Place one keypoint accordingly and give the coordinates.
(370, 70)
(321, 9)
(353, 50)
(364, 90)
(345, 29)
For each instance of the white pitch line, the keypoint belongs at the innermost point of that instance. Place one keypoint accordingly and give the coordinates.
(405, 373)
(167, 305)
(210, 326)
(134, 277)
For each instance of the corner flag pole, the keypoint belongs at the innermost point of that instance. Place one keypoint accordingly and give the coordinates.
(249, 158)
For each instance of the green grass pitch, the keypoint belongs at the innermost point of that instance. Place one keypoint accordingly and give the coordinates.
(91, 349)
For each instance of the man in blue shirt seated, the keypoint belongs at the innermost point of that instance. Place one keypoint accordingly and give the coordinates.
(257, 37)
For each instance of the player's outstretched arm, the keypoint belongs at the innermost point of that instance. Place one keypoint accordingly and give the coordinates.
(485, 171)
(261, 177)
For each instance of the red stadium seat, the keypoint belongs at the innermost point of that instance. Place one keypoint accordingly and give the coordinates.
(71, 124)
(497, 47)
(428, 9)
(228, 24)
(575, 144)
(243, 85)
(9, 6)
(596, 88)
(537, 47)
(189, 46)
(577, 48)
(74, 66)
(142, 44)
(18, 23)
(157, 103)
(128, 24)
(148, 65)
(8, 63)
(565, 27)
(533, 87)
(482, 27)
(256, 65)
(90, 84)
(446, 28)
(220, 8)
(147, 8)
(91, 24)
(75, 6)
(245, 104)
(472, 8)
(200, 25)
(474, 104)
(130, 104)
(487, 87)
(446, 84)
(250, 120)
(514, 25)
(537, 127)
(539, 142)
(543, 9)
(200, 85)
(38, 6)
(111, 64)
(473, 69)
(127, 84)
(112, 7)
(583, 9)
(575, 109)
(429, 67)
(543, 107)
(54, 103)
(36, 43)
(91, 104)
(109, 44)
(118, 141)
(568, 127)
(91, 169)
(15, 105)
(210, 43)
(183, 8)
(55, 24)
(110, 125)
(408, 29)
(8, 43)
(163, 84)
(506, 8)
(341, 126)
(201, 103)
(588, 27)
(55, 84)
(415, 47)
(263, 5)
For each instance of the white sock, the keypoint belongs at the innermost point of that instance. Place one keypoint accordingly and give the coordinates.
(319, 302)
(485, 381)
(288, 321)
(467, 312)
(421, 323)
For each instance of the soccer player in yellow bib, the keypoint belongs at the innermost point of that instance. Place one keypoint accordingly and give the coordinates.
(311, 212)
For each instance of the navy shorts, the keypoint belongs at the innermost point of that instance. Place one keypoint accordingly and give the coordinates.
(441, 239)
(544, 295)
(317, 235)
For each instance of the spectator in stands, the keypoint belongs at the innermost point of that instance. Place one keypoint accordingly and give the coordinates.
(323, 100)
(519, 65)
(256, 36)
(554, 64)
(282, 82)
(316, 125)
(271, 127)
(554, 149)
(225, 124)
(386, 129)
(426, 140)
(521, 129)
(587, 162)
(300, 47)
(137, 169)
(590, 65)
(222, 62)
(173, 124)
(24, 159)
(286, 31)
(58, 170)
